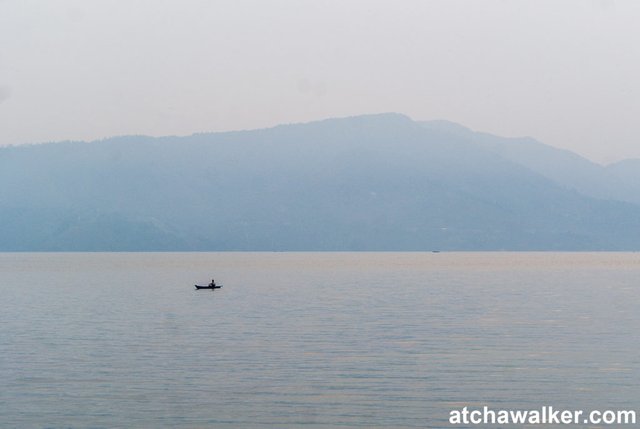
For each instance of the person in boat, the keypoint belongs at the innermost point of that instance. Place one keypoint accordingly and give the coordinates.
(213, 283)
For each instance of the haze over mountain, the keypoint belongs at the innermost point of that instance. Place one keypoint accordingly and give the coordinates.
(375, 182)
(618, 181)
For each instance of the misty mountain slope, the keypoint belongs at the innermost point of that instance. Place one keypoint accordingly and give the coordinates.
(375, 182)
(627, 171)
(562, 166)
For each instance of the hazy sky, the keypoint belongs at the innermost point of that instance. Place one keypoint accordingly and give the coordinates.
(564, 72)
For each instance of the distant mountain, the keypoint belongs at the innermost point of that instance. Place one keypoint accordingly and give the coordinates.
(375, 182)
(619, 181)
(627, 172)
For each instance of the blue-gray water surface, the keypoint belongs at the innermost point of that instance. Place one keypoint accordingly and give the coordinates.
(327, 340)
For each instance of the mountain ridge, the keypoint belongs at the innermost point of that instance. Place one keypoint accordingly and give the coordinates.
(372, 182)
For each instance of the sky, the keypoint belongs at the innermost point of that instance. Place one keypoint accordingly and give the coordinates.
(562, 71)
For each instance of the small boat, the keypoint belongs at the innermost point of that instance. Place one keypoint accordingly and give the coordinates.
(208, 287)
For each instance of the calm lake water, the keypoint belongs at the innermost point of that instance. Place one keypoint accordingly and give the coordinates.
(327, 340)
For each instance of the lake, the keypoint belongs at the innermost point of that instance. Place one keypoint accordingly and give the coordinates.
(326, 340)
